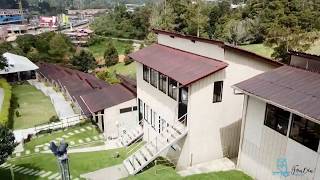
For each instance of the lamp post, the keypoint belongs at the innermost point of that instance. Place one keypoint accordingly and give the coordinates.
(61, 153)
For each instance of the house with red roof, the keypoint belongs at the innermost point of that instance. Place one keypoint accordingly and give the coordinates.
(111, 106)
(188, 110)
(280, 134)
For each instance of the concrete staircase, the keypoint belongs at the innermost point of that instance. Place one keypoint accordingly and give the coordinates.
(152, 149)
(129, 137)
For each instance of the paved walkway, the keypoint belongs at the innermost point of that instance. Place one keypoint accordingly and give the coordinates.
(110, 173)
(62, 107)
(223, 164)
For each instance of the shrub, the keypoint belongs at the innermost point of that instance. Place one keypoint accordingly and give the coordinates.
(18, 114)
(4, 114)
(109, 77)
(127, 60)
(110, 55)
(54, 119)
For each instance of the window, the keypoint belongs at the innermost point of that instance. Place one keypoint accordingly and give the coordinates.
(146, 73)
(305, 132)
(153, 77)
(217, 91)
(125, 110)
(163, 83)
(172, 88)
(277, 119)
(134, 108)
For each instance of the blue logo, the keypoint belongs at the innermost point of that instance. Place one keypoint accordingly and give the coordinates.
(282, 167)
(296, 170)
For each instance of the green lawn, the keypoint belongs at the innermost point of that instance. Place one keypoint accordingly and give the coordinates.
(46, 138)
(34, 107)
(260, 49)
(80, 163)
(126, 70)
(263, 50)
(99, 48)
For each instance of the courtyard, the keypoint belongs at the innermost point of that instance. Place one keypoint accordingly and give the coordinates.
(33, 107)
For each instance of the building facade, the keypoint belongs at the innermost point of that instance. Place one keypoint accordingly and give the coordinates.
(213, 111)
(281, 125)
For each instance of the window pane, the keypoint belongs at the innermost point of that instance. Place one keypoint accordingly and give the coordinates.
(305, 132)
(146, 72)
(163, 83)
(277, 119)
(172, 89)
(154, 77)
(217, 91)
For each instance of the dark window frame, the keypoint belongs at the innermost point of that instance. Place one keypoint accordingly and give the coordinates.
(163, 82)
(274, 118)
(217, 91)
(125, 110)
(146, 73)
(172, 88)
(154, 78)
(304, 133)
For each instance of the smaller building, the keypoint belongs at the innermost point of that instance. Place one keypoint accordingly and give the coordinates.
(111, 106)
(281, 124)
(19, 68)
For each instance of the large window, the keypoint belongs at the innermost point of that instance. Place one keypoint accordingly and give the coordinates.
(277, 119)
(153, 77)
(305, 132)
(217, 91)
(163, 83)
(146, 73)
(172, 88)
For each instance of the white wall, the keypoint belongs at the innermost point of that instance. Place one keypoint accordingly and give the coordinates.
(126, 120)
(214, 128)
(262, 147)
(205, 49)
(165, 106)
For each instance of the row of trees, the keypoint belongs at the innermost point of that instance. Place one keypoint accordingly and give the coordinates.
(280, 24)
(123, 24)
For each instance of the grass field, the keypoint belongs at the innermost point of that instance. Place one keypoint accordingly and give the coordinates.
(126, 70)
(263, 50)
(46, 138)
(34, 107)
(99, 48)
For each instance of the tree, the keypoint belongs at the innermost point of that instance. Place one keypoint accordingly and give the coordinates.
(26, 42)
(7, 143)
(58, 46)
(110, 54)
(84, 61)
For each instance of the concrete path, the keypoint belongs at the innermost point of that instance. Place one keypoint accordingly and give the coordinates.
(110, 173)
(223, 164)
(1, 97)
(107, 146)
(62, 107)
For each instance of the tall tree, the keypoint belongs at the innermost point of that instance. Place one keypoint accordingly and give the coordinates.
(59, 46)
(84, 61)
(110, 54)
(7, 143)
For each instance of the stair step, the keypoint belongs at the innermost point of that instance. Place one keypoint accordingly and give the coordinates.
(146, 154)
(128, 166)
(135, 162)
(151, 149)
(140, 158)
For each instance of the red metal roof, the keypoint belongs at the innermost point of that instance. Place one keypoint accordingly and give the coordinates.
(98, 95)
(107, 97)
(290, 87)
(181, 66)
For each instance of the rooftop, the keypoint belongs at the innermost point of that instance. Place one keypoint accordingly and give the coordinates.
(181, 66)
(296, 89)
(91, 93)
(17, 63)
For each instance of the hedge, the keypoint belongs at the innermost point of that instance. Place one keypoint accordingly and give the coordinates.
(4, 114)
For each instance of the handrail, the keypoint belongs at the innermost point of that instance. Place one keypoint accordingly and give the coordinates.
(134, 146)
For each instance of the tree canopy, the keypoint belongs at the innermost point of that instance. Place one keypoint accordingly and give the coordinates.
(110, 54)
(7, 143)
(84, 61)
